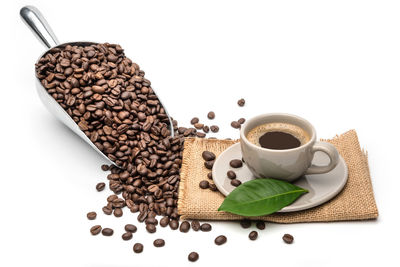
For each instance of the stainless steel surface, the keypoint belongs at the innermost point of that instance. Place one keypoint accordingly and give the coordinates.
(41, 29)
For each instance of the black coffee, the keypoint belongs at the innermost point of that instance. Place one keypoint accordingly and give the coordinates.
(278, 140)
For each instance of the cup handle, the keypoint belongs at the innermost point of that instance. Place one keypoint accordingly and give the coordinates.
(332, 153)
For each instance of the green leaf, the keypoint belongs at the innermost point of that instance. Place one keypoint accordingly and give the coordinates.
(261, 197)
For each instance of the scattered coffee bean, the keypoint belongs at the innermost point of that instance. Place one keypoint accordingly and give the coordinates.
(151, 221)
(241, 102)
(193, 256)
(95, 230)
(91, 215)
(164, 221)
(214, 128)
(206, 227)
(118, 212)
(236, 163)
(204, 184)
(211, 115)
(198, 126)
(174, 224)
(100, 186)
(107, 210)
(185, 226)
(245, 223)
(219, 240)
(194, 120)
(241, 120)
(105, 167)
(260, 225)
(200, 135)
(195, 225)
(207, 155)
(206, 129)
(288, 239)
(212, 187)
(253, 235)
(159, 243)
(236, 182)
(130, 228)
(235, 125)
(107, 232)
(151, 228)
(209, 164)
(209, 175)
(127, 236)
(231, 174)
(138, 248)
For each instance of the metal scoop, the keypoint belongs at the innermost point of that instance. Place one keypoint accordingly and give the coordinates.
(41, 29)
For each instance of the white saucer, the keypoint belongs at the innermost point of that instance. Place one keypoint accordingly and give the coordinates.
(321, 187)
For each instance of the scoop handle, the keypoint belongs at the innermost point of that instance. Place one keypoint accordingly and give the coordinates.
(39, 26)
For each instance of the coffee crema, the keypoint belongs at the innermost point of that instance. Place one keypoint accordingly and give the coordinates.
(278, 136)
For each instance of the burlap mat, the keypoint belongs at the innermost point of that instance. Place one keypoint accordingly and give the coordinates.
(355, 202)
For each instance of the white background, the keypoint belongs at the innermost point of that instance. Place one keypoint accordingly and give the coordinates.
(336, 63)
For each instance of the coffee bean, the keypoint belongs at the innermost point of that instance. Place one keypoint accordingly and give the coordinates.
(245, 223)
(164, 221)
(209, 175)
(198, 126)
(100, 186)
(211, 115)
(209, 164)
(204, 184)
(207, 155)
(220, 240)
(241, 120)
(151, 228)
(206, 227)
(107, 210)
(195, 225)
(118, 212)
(200, 135)
(236, 163)
(138, 248)
(174, 224)
(95, 230)
(107, 232)
(206, 129)
(231, 174)
(185, 226)
(260, 225)
(214, 128)
(159, 243)
(151, 221)
(91, 215)
(193, 256)
(127, 236)
(253, 235)
(235, 125)
(130, 228)
(213, 187)
(241, 102)
(236, 182)
(105, 167)
(288, 239)
(194, 120)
